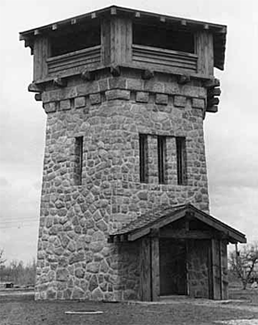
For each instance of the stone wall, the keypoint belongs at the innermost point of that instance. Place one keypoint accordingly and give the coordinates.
(198, 268)
(74, 258)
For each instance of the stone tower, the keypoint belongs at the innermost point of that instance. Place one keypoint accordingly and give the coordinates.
(126, 93)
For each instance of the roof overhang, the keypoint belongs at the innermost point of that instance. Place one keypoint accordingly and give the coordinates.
(218, 31)
(151, 222)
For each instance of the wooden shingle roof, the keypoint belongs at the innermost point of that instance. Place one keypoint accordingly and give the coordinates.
(164, 215)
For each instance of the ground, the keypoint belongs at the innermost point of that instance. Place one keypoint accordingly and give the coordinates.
(242, 309)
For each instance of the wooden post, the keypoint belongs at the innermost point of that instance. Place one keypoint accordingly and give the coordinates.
(224, 270)
(116, 40)
(41, 54)
(216, 274)
(105, 41)
(204, 50)
(145, 269)
(121, 40)
(155, 269)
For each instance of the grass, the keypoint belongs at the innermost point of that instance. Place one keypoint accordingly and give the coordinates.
(22, 309)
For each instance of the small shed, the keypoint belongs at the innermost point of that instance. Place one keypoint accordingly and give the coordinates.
(183, 251)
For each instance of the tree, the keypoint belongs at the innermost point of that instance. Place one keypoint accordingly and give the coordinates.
(243, 263)
(2, 262)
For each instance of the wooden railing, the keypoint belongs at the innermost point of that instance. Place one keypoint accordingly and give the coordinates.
(162, 57)
(75, 60)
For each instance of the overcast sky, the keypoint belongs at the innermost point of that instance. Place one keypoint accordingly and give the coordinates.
(231, 134)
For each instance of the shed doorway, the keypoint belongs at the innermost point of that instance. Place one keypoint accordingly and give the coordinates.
(173, 269)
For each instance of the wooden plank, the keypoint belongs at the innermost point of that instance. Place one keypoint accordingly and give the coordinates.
(113, 40)
(138, 234)
(82, 53)
(216, 274)
(184, 234)
(121, 40)
(155, 269)
(210, 271)
(204, 51)
(41, 53)
(158, 50)
(73, 60)
(105, 41)
(128, 41)
(73, 63)
(145, 275)
(216, 224)
(164, 57)
(224, 269)
(72, 71)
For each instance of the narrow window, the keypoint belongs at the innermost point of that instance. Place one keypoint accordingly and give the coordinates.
(161, 158)
(181, 160)
(78, 160)
(143, 158)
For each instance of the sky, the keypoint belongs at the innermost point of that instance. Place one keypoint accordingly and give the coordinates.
(231, 135)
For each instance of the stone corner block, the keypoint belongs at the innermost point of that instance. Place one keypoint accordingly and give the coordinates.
(198, 103)
(87, 88)
(79, 102)
(142, 97)
(134, 84)
(117, 82)
(65, 105)
(95, 99)
(117, 94)
(49, 107)
(103, 84)
(161, 99)
(154, 86)
(172, 88)
(179, 101)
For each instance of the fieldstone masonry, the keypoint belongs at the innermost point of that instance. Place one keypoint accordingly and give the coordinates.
(75, 260)
(124, 204)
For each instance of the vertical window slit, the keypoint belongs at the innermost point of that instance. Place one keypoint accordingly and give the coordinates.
(143, 158)
(161, 158)
(78, 160)
(181, 160)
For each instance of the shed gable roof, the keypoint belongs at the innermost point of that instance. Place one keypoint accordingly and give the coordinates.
(165, 214)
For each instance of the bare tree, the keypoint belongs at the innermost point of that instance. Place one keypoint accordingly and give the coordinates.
(243, 262)
(2, 259)
(2, 262)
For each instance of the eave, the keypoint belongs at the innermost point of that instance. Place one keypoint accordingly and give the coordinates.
(154, 220)
(218, 31)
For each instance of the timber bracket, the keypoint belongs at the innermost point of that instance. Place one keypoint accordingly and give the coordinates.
(87, 75)
(37, 90)
(115, 70)
(213, 92)
(148, 74)
(183, 79)
(60, 82)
